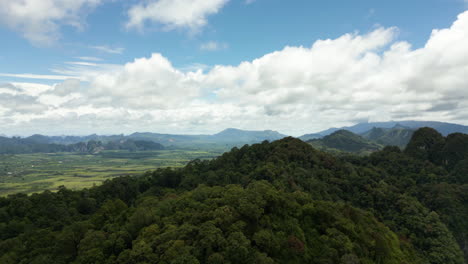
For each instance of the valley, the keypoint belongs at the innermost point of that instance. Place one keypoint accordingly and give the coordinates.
(30, 173)
(38, 163)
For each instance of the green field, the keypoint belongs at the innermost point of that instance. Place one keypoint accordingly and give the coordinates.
(29, 173)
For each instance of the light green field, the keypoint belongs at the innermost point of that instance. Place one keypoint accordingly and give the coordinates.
(29, 173)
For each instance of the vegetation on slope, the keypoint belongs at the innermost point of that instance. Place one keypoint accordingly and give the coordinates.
(268, 203)
(343, 140)
(396, 136)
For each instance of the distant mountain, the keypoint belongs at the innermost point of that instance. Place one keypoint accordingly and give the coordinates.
(343, 140)
(168, 139)
(36, 144)
(396, 136)
(234, 135)
(225, 139)
(308, 137)
(67, 140)
(364, 137)
(441, 127)
(38, 139)
(94, 147)
(229, 137)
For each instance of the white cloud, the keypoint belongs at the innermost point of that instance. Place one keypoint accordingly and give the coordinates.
(40, 21)
(107, 49)
(88, 58)
(174, 14)
(146, 83)
(213, 46)
(84, 71)
(36, 76)
(82, 63)
(333, 82)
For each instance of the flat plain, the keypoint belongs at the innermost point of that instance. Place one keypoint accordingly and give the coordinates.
(30, 173)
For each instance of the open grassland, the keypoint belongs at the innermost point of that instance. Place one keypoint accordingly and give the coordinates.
(29, 173)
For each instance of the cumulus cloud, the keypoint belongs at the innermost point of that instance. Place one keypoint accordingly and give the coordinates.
(20, 99)
(146, 83)
(40, 21)
(296, 90)
(173, 14)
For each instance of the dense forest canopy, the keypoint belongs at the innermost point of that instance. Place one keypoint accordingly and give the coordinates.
(279, 202)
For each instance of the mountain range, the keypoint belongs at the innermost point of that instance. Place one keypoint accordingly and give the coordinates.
(21, 146)
(225, 140)
(363, 137)
(442, 127)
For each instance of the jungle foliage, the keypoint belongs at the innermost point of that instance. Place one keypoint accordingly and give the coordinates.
(279, 202)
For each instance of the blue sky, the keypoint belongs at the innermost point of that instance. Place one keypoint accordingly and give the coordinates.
(249, 31)
(77, 50)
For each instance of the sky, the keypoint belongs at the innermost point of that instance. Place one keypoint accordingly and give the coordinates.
(77, 67)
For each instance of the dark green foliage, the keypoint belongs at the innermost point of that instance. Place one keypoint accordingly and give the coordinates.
(455, 150)
(279, 202)
(426, 144)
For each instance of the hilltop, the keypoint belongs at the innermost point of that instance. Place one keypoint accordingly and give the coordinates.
(343, 140)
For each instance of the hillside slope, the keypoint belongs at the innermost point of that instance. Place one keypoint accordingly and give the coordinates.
(396, 136)
(267, 203)
(347, 141)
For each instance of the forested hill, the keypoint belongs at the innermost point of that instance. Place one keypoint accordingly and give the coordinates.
(343, 140)
(396, 136)
(279, 202)
(368, 142)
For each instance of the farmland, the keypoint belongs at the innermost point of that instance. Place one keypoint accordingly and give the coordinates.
(30, 173)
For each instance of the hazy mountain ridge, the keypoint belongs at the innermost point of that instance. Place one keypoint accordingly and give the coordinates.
(380, 134)
(372, 135)
(226, 139)
(442, 127)
(21, 146)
